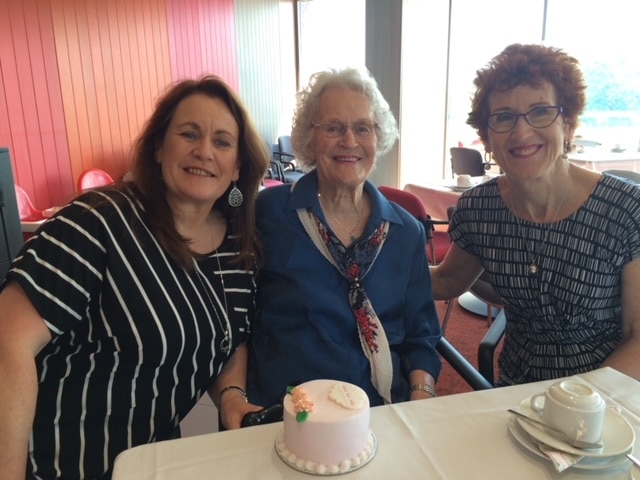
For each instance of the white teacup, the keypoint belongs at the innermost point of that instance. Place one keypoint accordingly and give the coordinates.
(464, 180)
(573, 407)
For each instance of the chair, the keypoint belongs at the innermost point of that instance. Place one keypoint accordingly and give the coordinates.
(628, 174)
(30, 217)
(483, 291)
(93, 178)
(488, 345)
(438, 242)
(468, 161)
(475, 378)
(281, 165)
(26, 210)
(284, 154)
(275, 171)
(270, 182)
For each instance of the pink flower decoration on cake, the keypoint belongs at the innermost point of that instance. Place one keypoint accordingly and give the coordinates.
(302, 404)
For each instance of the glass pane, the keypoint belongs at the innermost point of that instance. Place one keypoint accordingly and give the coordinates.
(331, 35)
(479, 31)
(605, 41)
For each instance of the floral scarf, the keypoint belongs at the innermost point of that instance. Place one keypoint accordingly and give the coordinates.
(354, 263)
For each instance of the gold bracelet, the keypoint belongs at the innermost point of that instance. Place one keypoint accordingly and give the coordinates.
(423, 387)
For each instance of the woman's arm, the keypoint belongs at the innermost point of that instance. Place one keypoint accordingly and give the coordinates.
(228, 391)
(455, 274)
(23, 334)
(626, 357)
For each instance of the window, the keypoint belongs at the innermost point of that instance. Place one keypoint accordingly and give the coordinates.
(330, 35)
(604, 40)
(445, 43)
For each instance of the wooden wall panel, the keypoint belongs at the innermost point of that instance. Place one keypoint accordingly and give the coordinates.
(202, 39)
(37, 143)
(78, 78)
(110, 76)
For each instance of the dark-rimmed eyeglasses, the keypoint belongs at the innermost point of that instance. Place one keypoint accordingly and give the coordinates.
(538, 117)
(338, 129)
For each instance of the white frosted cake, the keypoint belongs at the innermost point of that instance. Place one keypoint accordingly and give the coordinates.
(326, 428)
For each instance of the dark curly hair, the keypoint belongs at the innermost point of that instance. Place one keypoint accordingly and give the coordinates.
(529, 65)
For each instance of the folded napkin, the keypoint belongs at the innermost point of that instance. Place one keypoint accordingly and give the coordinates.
(561, 460)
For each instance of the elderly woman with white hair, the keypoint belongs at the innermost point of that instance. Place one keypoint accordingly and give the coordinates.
(344, 292)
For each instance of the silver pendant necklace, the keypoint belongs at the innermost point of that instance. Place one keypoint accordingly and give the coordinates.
(534, 268)
(225, 343)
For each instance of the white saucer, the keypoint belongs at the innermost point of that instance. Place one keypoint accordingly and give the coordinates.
(457, 188)
(617, 434)
(587, 463)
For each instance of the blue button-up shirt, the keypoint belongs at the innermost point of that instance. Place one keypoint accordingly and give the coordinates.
(305, 328)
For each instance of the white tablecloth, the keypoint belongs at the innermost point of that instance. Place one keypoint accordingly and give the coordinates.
(461, 436)
(436, 197)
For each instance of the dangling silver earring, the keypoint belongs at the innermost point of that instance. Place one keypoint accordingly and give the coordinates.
(235, 196)
(567, 149)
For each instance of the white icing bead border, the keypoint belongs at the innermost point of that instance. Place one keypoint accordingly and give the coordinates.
(345, 466)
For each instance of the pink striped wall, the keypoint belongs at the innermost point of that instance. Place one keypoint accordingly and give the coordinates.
(79, 77)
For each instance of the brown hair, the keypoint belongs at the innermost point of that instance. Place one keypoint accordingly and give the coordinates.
(530, 65)
(253, 163)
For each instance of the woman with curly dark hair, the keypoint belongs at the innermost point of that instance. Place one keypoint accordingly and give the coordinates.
(559, 243)
(134, 300)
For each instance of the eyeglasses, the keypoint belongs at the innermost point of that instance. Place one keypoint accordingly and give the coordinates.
(338, 129)
(539, 117)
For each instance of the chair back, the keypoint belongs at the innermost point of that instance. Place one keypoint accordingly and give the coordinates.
(284, 145)
(438, 242)
(93, 178)
(628, 174)
(26, 210)
(467, 161)
(407, 200)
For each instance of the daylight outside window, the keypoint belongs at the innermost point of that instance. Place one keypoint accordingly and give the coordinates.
(605, 41)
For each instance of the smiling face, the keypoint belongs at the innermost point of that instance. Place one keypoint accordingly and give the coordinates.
(527, 152)
(347, 160)
(199, 153)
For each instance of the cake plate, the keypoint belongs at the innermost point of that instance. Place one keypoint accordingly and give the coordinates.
(309, 467)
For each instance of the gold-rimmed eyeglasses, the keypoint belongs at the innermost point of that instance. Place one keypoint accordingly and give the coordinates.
(338, 129)
(538, 117)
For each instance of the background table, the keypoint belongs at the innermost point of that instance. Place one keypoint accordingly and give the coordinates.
(455, 437)
(602, 160)
(437, 197)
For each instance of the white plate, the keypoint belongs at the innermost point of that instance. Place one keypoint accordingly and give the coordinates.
(309, 467)
(617, 434)
(587, 463)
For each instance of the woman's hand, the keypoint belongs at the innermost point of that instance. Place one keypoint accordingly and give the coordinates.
(233, 406)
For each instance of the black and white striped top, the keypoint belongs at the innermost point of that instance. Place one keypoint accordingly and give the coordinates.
(566, 319)
(135, 337)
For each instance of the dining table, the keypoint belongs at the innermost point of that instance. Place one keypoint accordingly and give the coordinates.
(603, 159)
(436, 196)
(463, 436)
